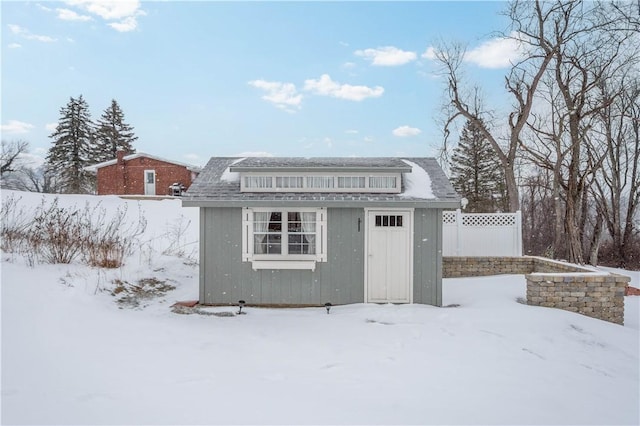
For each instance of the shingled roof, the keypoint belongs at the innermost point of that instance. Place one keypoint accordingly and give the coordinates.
(218, 184)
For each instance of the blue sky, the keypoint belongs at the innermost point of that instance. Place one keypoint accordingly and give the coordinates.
(202, 79)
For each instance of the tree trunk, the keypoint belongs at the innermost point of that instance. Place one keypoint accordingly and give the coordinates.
(595, 241)
(558, 240)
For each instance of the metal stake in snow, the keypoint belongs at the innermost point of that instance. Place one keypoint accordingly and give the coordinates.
(328, 306)
(240, 305)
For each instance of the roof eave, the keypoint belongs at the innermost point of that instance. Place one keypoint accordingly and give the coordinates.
(408, 203)
(263, 169)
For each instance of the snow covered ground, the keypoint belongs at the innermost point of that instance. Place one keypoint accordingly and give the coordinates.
(72, 355)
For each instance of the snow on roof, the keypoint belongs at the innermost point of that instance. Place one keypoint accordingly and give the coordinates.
(417, 184)
(229, 176)
(94, 167)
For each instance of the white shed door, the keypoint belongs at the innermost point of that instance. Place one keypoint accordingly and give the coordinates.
(149, 182)
(389, 256)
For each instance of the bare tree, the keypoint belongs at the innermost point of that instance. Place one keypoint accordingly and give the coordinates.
(35, 179)
(617, 187)
(537, 206)
(10, 154)
(530, 23)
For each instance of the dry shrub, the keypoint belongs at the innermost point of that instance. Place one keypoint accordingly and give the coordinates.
(14, 226)
(56, 234)
(137, 295)
(111, 239)
(61, 235)
(608, 255)
(178, 244)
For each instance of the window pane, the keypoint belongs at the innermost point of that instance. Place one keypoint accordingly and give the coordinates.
(267, 232)
(275, 222)
(351, 181)
(258, 181)
(289, 182)
(302, 243)
(398, 220)
(382, 182)
(294, 222)
(295, 229)
(302, 228)
(320, 182)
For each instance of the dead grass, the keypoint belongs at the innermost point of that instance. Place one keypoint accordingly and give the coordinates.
(139, 295)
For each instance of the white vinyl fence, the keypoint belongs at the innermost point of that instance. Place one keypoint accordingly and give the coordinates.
(481, 234)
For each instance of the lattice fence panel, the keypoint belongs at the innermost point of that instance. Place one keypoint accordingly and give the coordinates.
(482, 220)
(481, 234)
(449, 218)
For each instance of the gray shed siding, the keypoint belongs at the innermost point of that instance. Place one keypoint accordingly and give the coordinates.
(224, 278)
(427, 257)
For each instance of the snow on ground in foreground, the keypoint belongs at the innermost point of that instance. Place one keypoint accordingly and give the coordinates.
(71, 356)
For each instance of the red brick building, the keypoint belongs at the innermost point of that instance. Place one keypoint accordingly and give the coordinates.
(142, 174)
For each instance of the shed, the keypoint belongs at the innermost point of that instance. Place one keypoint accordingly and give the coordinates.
(307, 231)
(142, 174)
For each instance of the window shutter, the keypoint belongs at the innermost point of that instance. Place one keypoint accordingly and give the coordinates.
(321, 238)
(247, 240)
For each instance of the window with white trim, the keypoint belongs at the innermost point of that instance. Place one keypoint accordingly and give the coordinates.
(258, 181)
(351, 181)
(289, 181)
(321, 182)
(382, 182)
(274, 238)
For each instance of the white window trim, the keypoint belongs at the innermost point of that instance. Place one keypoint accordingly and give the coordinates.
(334, 175)
(283, 261)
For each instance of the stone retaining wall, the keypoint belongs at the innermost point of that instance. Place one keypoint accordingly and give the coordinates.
(551, 283)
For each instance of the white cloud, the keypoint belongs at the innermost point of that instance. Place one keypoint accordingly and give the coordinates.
(348, 65)
(281, 95)
(405, 131)
(368, 139)
(343, 43)
(124, 13)
(499, 52)
(351, 132)
(32, 160)
(328, 142)
(51, 126)
(430, 53)
(70, 15)
(387, 56)
(25, 33)
(14, 45)
(108, 9)
(324, 86)
(126, 25)
(15, 126)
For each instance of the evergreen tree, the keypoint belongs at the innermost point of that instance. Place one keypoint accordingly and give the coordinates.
(73, 148)
(477, 173)
(113, 134)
